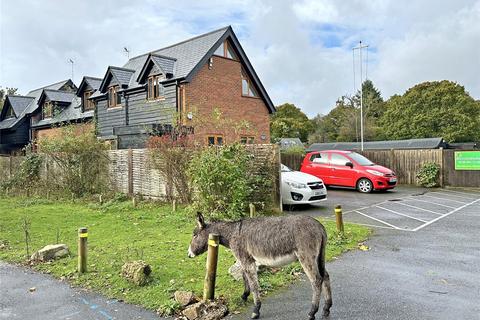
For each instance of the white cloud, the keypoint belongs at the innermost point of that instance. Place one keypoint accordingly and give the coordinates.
(414, 42)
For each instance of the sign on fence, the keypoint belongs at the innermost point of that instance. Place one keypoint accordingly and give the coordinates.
(467, 160)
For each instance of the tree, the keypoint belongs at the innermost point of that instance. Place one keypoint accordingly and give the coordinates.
(4, 93)
(290, 122)
(433, 109)
(342, 123)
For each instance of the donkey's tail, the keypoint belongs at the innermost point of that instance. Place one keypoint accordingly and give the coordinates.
(321, 256)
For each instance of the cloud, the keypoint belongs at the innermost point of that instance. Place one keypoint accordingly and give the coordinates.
(301, 50)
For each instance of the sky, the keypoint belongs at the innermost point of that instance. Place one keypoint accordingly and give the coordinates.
(302, 50)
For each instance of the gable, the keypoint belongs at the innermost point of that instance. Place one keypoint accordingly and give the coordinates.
(116, 76)
(231, 38)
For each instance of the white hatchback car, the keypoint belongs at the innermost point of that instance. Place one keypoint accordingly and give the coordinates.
(301, 188)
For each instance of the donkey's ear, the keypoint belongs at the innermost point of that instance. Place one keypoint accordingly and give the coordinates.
(200, 220)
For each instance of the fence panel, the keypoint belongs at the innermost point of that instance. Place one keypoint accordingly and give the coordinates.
(459, 178)
(292, 160)
(405, 163)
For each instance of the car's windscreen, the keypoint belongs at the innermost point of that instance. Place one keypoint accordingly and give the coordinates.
(361, 160)
(285, 168)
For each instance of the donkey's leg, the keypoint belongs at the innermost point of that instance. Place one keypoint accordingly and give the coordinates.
(327, 293)
(250, 271)
(310, 266)
(246, 291)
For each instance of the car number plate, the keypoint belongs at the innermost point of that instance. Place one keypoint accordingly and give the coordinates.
(317, 193)
(393, 179)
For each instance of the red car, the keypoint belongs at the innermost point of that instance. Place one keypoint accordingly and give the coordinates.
(348, 169)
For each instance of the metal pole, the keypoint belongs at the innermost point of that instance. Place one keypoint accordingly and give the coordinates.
(212, 259)
(361, 97)
(82, 250)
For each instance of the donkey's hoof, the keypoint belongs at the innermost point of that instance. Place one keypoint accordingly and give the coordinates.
(255, 315)
(245, 297)
(326, 313)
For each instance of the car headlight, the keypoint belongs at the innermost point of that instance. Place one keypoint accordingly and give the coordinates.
(296, 185)
(375, 172)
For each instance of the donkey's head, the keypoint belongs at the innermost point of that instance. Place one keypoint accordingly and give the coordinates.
(199, 243)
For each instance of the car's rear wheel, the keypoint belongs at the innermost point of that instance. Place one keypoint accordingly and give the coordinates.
(364, 185)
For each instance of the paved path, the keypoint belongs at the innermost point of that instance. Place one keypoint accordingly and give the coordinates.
(433, 273)
(54, 299)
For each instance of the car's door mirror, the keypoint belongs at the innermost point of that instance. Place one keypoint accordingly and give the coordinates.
(349, 164)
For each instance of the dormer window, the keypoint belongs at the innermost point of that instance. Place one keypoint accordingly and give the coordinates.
(10, 113)
(155, 88)
(88, 104)
(226, 50)
(248, 89)
(114, 98)
(47, 110)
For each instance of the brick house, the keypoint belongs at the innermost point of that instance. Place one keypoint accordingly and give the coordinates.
(205, 85)
(24, 119)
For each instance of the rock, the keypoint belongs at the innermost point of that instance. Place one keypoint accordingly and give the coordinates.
(32, 289)
(236, 271)
(184, 298)
(137, 272)
(212, 310)
(194, 311)
(51, 252)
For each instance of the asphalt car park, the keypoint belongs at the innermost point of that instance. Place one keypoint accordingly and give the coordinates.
(407, 209)
(422, 260)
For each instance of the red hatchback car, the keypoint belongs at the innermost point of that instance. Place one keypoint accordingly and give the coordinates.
(348, 169)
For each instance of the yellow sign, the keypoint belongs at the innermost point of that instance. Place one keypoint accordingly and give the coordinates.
(83, 235)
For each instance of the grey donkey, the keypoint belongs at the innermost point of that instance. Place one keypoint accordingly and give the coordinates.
(275, 242)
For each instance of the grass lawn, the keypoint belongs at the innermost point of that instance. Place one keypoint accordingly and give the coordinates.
(118, 232)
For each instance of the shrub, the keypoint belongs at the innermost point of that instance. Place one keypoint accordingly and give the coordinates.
(222, 181)
(170, 155)
(28, 174)
(81, 158)
(428, 175)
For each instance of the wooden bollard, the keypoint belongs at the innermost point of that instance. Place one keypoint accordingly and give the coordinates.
(212, 259)
(100, 199)
(134, 201)
(174, 205)
(82, 250)
(339, 218)
(252, 210)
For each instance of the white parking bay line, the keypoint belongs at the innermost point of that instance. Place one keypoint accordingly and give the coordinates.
(474, 194)
(439, 198)
(445, 215)
(381, 221)
(437, 204)
(401, 214)
(426, 210)
(453, 195)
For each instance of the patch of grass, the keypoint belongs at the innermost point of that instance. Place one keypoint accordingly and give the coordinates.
(118, 232)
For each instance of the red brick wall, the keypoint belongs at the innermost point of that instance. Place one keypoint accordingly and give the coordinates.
(220, 87)
(39, 134)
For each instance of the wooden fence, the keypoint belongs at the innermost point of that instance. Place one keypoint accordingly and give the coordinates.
(406, 164)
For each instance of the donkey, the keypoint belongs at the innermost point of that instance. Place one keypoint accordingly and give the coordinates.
(275, 242)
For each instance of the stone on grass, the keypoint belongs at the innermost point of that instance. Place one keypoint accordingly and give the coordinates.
(236, 271)
(184, 298)
(137, 272)
(211, 310)
(51, 252)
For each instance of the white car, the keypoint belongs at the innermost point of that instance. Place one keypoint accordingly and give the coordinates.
(301, 188)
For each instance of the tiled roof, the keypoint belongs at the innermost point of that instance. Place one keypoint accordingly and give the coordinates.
(33, 105)
(71, 112)
(187, 53)
(167, 64)
(19, 103)
(122, 75)
(93, 82)
(59, 96)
